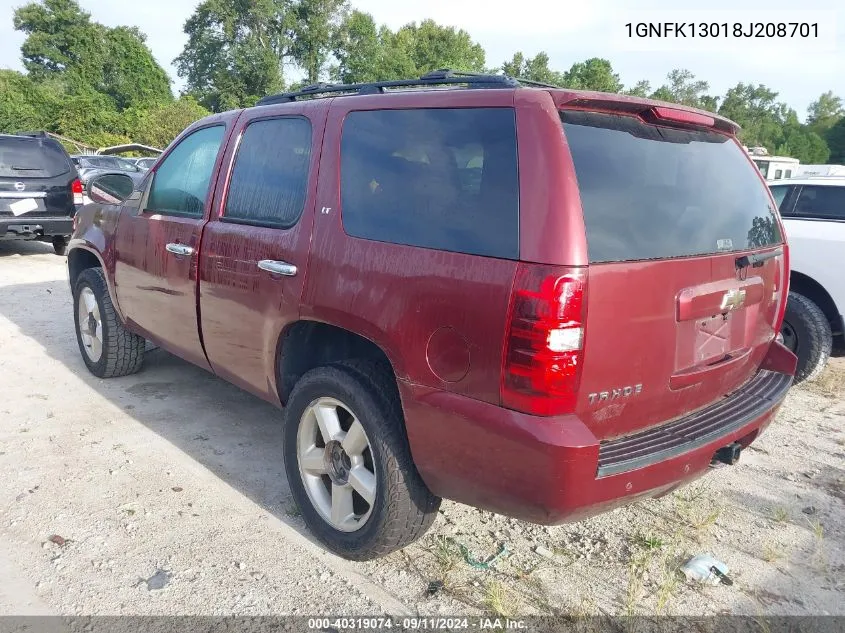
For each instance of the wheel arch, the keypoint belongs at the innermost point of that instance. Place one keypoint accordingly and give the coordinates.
(306, 344)
(815, 292)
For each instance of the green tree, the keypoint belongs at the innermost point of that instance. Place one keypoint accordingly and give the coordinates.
(533, 68)
(757, 110)
(159, 125)
(316, 26)
(639, 89)
(357, 49)
(235, 51)
(825, 112)
(684, 88)
(131, 76)
(23, 103)
(592, 74)
(835, 138)
(417, 49)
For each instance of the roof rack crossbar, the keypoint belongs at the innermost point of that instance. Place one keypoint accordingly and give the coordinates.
(435, 78)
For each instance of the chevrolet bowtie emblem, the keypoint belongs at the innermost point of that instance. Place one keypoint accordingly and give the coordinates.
(732, 300)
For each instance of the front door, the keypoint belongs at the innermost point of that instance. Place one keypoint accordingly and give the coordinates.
(157, 247)
(255, 248)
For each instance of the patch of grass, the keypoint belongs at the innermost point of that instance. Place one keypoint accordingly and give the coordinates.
(819, 559)
(648, 541)
(637, 568)
(668, 583)
(446, 553)
(772, 552)
(780, 514)
(498, 598)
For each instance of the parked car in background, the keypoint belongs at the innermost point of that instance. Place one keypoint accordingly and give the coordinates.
(813, 212)
(90, 165)
(39, 190)
(541, 302)
(145, 163)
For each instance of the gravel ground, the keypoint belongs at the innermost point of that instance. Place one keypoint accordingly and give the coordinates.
(164, 493)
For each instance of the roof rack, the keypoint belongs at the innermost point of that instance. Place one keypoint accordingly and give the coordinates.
(441, 77)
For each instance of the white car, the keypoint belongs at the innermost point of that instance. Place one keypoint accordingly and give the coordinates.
(813, 212)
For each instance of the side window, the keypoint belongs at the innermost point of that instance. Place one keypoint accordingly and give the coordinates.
(821, 202)
(445, 179)
(788, 173)
(270, 178)
(180, 184)
(778, 174)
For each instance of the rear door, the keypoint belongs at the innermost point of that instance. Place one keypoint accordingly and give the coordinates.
(255, 250)
(36, 175)
(673, 323)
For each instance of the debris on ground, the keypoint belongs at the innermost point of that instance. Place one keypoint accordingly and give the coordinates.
(58, 540)
(705, 568)
(472, 562)
(544, 552)
(158, 580)
(434, 587)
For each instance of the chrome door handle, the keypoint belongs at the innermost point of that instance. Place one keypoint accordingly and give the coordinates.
(277, 268)
(179, 249)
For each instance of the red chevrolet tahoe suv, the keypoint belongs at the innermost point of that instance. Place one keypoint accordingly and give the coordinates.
(537, 301)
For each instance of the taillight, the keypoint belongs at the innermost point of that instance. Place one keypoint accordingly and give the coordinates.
(781, 287)
(541, 368)
(76, 188)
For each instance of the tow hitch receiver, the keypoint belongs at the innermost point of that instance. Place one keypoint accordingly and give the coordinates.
(727, 455)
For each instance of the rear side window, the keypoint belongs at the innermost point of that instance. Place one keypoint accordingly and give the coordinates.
(653, 192)
(270, 178)
(820, 202)
(779, 193)
(445, 179)
(32, 158)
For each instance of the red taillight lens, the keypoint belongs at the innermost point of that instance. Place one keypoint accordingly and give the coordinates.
(76, 188)
(682, 116)
(545, 340)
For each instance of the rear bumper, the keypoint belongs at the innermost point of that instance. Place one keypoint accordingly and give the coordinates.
(28, 228)
(549, 470)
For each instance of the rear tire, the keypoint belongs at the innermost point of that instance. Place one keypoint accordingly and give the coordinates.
(108, 349)
(402, 508)
(806, 331)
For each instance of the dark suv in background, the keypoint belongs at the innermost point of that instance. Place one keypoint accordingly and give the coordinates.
(39, 190)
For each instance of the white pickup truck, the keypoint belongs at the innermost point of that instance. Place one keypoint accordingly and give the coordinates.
(813, 212)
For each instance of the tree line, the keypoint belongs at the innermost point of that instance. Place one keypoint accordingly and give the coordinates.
(101, 85)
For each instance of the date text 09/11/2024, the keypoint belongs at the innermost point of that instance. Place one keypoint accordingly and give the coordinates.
(682, 30)
(416, 624)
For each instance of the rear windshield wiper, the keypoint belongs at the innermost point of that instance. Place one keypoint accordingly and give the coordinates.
(755, 260)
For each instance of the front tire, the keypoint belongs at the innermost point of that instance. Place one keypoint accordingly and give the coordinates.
(806, 331)
(349, 465)
(108, 349)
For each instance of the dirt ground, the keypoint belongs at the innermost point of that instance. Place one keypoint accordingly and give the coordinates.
(164, 493)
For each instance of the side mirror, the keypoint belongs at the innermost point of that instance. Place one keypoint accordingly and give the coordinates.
(110, 188)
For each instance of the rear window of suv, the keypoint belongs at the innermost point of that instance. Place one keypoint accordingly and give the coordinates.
(32, 158)
(652, 192)
(444, 179)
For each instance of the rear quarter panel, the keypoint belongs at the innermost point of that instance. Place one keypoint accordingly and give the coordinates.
(817, 250)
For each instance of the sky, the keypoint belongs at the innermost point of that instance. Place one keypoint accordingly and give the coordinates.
(799, 69)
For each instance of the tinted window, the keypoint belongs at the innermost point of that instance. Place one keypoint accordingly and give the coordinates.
(821, 202)
(653, 192)
(270, 178)
(437, 178)
(779, 193)
(778, 174)
(181, 182)
(32, 158)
